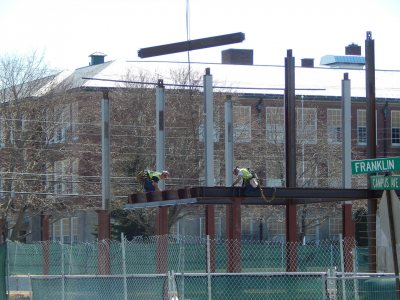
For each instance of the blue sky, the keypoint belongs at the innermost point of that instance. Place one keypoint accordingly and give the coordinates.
(68, 31)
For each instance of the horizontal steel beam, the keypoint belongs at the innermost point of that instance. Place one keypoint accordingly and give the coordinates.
(275, 196)
(214, 41)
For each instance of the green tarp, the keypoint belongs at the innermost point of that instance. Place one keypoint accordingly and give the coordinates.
(3, 255)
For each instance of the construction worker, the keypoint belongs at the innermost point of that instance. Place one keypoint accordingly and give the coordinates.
(249, 179)
(151, 179)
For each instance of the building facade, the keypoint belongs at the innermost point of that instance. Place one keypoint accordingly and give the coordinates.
(61, 133)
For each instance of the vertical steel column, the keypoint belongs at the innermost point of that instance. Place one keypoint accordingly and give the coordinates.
(104, 261)
(371, 143)
(45, 225)
(228, 141)
(162, 239)
(209, 159)
(347, 215)
(103, 214)
(208, 128)
(210, 231)
(392, 230)
(160, 136)
(233, 232)
(105, 151)
(290, 150)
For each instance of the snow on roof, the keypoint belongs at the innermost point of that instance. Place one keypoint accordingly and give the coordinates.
(263, 79)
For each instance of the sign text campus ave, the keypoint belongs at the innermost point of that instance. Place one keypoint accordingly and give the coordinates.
(380, 182)
(387, 164)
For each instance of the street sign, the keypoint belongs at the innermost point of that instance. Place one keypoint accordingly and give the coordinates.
(380, 182)
(386, 164)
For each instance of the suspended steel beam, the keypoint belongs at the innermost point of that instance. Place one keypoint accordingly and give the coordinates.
(209, 42)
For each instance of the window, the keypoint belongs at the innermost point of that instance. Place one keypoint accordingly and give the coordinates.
(307, 125)
(334, 126)
(202, 133)
(361, 127)
(58, 125)
(2, 194)
(334, 173)
(242, 124)
(275, 171)
(2, 133)
(65, 230)
(307, 174)
(74, 120)
(275, 120)
(59, 177)
(75, 176)
(217, 173)
(395, 116)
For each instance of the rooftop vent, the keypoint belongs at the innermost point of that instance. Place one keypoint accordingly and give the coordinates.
(343, 61)
(96, 58)
(307, 62)
(237, 56)
(353, 49)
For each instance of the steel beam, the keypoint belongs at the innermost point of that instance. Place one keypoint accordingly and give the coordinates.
(225, 195)
(209, 42)
(371, 142)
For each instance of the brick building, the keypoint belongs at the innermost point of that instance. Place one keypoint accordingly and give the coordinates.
(70, 169)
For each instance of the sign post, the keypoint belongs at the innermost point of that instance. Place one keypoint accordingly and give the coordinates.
(387, 183)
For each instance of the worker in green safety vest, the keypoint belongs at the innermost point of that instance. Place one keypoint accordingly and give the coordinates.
(150, 179)
(250, 181)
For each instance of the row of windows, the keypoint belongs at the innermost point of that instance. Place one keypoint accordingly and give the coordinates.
(306, 126)
(307, 173)
(271, 229)
(61, 178)
(64, 123)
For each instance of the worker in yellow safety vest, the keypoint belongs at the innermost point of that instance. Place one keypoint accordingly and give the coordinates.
(151, 178)
(249, 180)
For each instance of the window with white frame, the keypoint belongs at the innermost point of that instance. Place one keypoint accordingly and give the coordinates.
(334, 126)
(59, 177)
(275, 170)
(217, 172)
(361, 127)
(12, 188)
(65, 230)
(307, 125)
(242, 124)
(334, 173)
(395, 117)
(2, 194)
(74, 121)
(307, 174)
(2, 133)
(202, 133)
(75, 176)
(275, 120)
(58, 124)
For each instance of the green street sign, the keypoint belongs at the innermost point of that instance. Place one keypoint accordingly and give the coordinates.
(387, 164)
(380, 182)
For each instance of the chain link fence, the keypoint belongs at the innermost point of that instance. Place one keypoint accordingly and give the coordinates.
(176, 267)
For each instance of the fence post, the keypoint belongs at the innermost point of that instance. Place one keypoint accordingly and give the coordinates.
(62, 272)
(342, 266)
(208, 268)
(356, 296)
(124, 265)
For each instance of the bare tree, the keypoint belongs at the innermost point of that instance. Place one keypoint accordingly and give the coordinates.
(31, 123)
